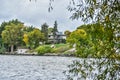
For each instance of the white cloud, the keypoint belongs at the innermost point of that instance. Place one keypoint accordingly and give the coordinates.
(36, 13)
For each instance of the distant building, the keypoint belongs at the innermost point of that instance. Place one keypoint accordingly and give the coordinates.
(59, 38)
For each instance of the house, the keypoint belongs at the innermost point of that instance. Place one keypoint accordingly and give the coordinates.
(59, 38)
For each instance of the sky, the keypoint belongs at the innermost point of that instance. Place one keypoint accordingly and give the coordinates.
(36, 13)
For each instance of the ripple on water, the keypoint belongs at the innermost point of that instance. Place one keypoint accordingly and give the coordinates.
(33, 67)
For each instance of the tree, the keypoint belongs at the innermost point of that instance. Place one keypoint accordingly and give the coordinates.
(55, 30)
(26, 39)
(79, 37)
(2, 27)
(44, 29)
(4, 24)
(50, 30)
(33, 38)
(15, 21)
(67, 33)
(29, 28)
(12, 34)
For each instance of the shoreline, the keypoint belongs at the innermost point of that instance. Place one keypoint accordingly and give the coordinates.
(57, 55)
(46, 54)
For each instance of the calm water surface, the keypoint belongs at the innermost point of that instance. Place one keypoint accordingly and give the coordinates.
(33, 67)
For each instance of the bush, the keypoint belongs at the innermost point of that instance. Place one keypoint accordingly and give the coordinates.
(43, 49)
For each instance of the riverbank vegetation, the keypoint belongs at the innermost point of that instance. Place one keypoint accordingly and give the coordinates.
(94, 40)
(14, 35)
(56, 49)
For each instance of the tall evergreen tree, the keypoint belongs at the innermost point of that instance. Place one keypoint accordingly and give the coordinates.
(55, 30)
(55, 26)
(44, 29)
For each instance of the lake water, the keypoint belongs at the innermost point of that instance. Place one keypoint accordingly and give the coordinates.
(33, 67)
(13, 67)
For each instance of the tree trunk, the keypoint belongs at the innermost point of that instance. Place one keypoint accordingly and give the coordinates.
(12, 46)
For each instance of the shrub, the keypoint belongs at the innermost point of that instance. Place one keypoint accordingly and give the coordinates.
(43, 49)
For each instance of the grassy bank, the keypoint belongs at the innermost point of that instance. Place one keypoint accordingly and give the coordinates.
(56, 49)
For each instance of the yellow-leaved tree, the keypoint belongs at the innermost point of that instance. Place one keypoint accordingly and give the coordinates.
(33, 38)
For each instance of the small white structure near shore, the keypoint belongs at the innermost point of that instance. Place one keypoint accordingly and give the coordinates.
(22, 51)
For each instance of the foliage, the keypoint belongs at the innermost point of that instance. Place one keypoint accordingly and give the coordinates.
(94, 69)
(12, 34)
(97, 43)
(55, 29)
(2, 27)
(67, 33)
(43, 49)
(25, 39)
(78, 37)
(28, 28)
(44, 29)
(50, 30)
(4, 24)
(33, 38)
(102, 10)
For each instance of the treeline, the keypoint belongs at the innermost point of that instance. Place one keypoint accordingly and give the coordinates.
(14, 34)
(95, 40)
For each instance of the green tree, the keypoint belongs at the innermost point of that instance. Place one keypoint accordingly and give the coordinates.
(2, 27)
(96, 37)
(55, 30)
(15, 21)
(50, 30)
(29, 28)
(67, 33)
(4, 24)
(12, 34)
(44, 29)
(79, 37)
(33, 38)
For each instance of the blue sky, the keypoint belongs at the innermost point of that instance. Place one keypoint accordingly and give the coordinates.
(36, 13)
